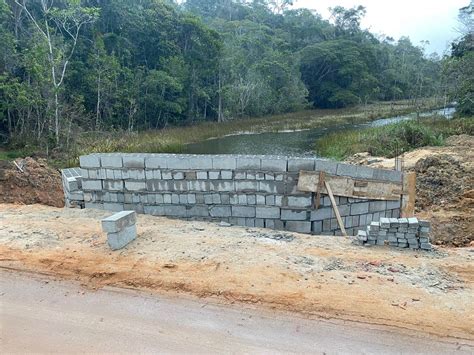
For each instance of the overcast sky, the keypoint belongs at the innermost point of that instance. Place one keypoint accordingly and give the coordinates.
(432, 20)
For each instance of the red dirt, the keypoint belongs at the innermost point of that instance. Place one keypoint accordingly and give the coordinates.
(37, 183)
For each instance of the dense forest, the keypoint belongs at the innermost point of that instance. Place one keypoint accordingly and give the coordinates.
(71, 65)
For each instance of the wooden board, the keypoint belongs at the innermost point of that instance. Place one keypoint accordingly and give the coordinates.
(334, 207)
(408, 199)
(308, 181)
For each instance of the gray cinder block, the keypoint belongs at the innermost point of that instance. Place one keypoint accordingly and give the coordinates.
(297, 164)
(92, 184)
(156, 162)
(248, 163)
(268, 212)
(118, 221)
(89, 161)
(224, 162)
(131, 185)
(111, 161)
(113, 185)
(243, 211)
(298, 226)
(276, 164)
(120, 239)
(326, 166)
(322, 213)
(294, 215)
(220, 211)
(134, 161)
(299, 201)
(359, 208)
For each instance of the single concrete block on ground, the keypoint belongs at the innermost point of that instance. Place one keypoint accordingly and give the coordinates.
(119, 221)
(121, 239)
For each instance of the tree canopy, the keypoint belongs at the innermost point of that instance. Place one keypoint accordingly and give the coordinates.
(72, 65)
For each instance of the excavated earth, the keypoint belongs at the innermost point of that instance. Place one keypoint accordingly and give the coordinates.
(444, 187)
(316, 276)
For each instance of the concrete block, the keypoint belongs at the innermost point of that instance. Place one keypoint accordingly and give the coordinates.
(111, 161)
(261, 199)
(321, 213)
(154, 210)
(201, 175)
(270, 223)
(346, 170)
(377, 206)
(248, 163)
(120, 239)
(175, 210)
(134, 185)
(259, 223)
(359, 208)
(220, 211)
(298, 164)
(393, 204)
(270, 177)
(240, 175)
(175, 199)
(89, 161)
(243, 211)
(198, 211)
(298, 226)
(198, 162)
(113, 185)
(224, 162)
(294, 215)
(92, 185)
(214, 175)
(317, 227)
(387, 175)
(326, 166)
(191, 198)
(179, 185)
(178, 175)
(134, 161)
(118, 221)
(270, 200)
(268, 212)
(300, 201)
(226, 174)
(274, 164)
(251, 200)
(271, 187)
(250, 222)
(259, 176)
(113, 206)
(242, 199)
(250, 175)
(156, 162)
(413, 222)
(279, 200)
(248, 186)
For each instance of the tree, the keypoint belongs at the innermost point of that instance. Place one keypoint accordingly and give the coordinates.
(50, 23)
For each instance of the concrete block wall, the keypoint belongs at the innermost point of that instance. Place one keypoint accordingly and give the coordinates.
(253, 191)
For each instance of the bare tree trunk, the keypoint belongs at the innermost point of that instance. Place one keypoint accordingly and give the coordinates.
(97, 116)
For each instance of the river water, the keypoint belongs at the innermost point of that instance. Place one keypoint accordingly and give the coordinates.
(291, 143)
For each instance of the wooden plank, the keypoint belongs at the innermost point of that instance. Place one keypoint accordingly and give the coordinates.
(318, 190)
(409, 196)
(336, 210)
(308, 181)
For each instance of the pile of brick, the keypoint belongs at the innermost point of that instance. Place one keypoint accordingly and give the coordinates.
(121, 229)
(72, 186)
(398, 232)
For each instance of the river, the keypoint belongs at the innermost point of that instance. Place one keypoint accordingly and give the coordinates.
(290, 143)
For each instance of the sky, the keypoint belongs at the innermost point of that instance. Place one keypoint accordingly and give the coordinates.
(432, 20)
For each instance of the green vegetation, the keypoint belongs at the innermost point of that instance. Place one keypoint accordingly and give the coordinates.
(395, 138)
(74, 66)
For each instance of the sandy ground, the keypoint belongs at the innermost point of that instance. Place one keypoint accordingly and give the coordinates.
(44, 315)
(325, 277)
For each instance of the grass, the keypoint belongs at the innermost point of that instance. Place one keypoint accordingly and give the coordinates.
(173, 140)
(395, 138)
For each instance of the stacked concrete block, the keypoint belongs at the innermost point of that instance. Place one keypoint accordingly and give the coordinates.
(121, 229)
(239, 189)
(72, 186)
(397, 232)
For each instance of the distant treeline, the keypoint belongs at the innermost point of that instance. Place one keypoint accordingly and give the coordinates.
(72, 65)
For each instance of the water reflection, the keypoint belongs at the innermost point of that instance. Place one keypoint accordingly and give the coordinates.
(299, 143)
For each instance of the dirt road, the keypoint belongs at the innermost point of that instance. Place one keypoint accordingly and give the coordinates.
(43, 315)
(313, 275)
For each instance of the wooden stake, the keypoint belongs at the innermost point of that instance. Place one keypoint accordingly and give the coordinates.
(318, 190)
(336, 210)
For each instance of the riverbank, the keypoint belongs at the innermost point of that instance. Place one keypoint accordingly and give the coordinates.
(174, 139)
(393, 139)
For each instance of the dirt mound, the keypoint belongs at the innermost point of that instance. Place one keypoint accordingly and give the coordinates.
(441, 181)
(33, 181)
